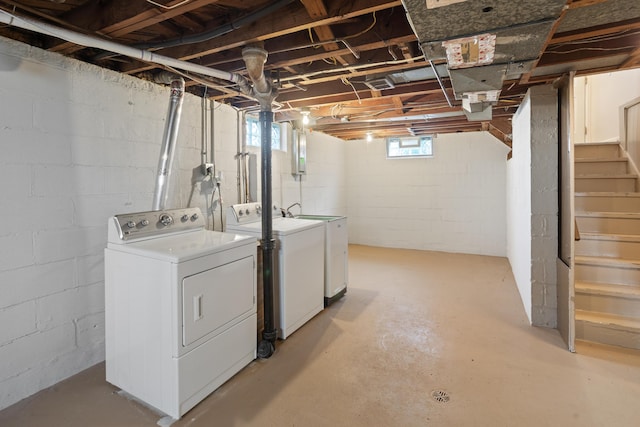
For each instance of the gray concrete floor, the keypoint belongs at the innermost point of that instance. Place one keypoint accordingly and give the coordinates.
(412, 323)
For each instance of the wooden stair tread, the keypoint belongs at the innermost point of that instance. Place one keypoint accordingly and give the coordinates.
(607, 194)
(600, 159)
(607, 176)
(610, 289)
(622, 322)
(608, 262)
(610, 237)
(620, 215)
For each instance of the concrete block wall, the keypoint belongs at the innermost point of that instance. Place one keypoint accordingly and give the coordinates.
(532, 190)
(79, 144)
(322, 190)
(453, 202)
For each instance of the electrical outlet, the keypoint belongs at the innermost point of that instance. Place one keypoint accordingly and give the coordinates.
(207, 169)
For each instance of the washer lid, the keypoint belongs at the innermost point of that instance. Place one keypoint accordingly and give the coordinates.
(280, 226)
(185, 246)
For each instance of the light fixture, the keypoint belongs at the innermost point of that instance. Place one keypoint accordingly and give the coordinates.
(305, 116)
(369, 137)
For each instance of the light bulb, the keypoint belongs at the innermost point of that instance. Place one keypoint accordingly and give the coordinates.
(305, 119)
(369, 137)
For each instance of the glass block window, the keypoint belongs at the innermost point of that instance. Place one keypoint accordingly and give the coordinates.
(254, 137)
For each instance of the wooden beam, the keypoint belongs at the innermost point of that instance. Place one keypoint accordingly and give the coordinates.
(582, 34)
(291, 20)
(120, 17)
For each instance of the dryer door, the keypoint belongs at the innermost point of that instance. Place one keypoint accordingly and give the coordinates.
(215, 299)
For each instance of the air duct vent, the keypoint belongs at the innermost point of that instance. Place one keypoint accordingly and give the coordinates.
(380, 83)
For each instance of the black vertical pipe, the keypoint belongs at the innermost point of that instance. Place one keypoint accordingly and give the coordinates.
(269, 333)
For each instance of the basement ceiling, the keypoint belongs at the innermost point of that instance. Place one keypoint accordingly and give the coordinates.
(383, 67)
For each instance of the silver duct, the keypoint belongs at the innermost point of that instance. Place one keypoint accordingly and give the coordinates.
(168, 144)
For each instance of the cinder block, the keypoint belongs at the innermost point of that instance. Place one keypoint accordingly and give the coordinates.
(56, 245)
(35, 349)
(16, 250)
(28, 283)
(69, 306)
(33, 147)
(90, 269)
(15, 181)
(95, 210)
(90, 330)
(17, 114)
(51, 180)
(17, 321)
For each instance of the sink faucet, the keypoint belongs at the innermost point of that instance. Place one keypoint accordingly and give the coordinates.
(289, 214)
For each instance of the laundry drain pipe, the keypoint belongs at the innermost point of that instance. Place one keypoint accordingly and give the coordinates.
(168, 143)
(264, 93)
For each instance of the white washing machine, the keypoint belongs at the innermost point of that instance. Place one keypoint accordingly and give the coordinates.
(180, 307)
(299, 263)
(336, 256)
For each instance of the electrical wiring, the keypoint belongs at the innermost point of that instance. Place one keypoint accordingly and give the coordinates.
(608, 49)
(168, 7)
(348, 83)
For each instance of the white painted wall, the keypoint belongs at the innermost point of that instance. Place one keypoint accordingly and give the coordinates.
(453, 202)
(519, 204)
(322, 190)
(597, 100)
(78, 145)
(532, 204)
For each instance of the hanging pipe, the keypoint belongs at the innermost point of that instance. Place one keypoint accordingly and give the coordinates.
(255, 58)
(219, 31)
(239, 140)
(143, 55)
(169, 138)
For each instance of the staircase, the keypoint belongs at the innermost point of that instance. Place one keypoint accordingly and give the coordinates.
(607, 256)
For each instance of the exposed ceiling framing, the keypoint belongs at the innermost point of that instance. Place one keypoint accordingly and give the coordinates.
(358, 66)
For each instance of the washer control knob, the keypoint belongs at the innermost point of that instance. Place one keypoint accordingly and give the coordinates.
(131, 224)
(240, 213)
(194, 217)
(247, 212)
(166, 219)
(184, 218)
(144, 222)
(259, 209)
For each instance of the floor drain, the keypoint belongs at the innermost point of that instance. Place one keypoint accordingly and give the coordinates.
(440, 396)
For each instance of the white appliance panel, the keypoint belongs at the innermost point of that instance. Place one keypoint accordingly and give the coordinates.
(301, 272)
(201, 372)
(210, 302)
(150, 353)
(337, 274)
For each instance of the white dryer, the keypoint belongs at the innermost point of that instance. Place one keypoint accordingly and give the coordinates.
(180, 307)
(299, 269)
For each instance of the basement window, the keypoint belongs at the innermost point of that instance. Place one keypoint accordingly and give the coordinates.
(254, 137)
(409, 147)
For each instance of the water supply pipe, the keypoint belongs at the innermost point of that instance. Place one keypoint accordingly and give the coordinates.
(255, 58)
(169, 138)
(143, 55)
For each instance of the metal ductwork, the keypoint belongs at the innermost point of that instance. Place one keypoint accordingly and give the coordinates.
(255, 57)
(169, 139)
(484, 42)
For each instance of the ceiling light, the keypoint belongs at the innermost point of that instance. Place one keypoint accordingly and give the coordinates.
(369, 137)
(305, 116)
